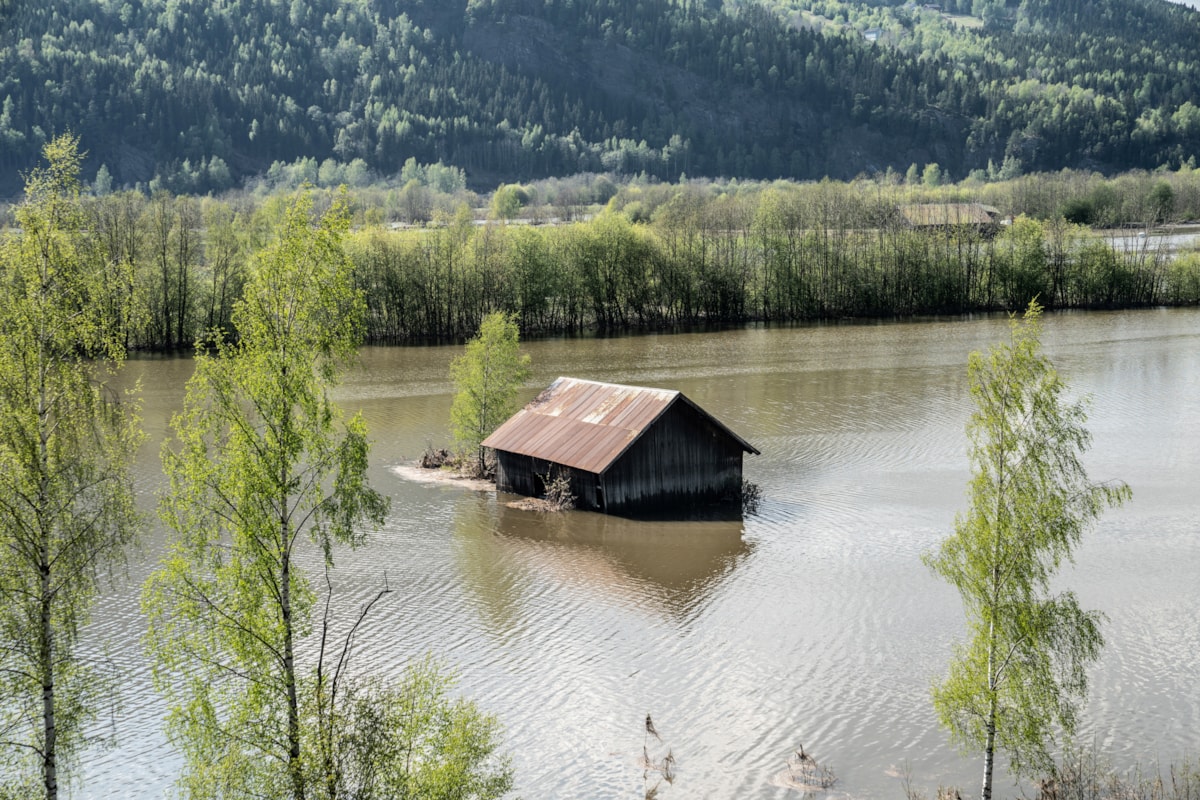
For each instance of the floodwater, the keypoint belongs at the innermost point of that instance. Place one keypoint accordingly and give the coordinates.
(1172, 240)
(813, 622)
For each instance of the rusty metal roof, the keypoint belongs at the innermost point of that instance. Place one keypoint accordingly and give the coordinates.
(588, 425)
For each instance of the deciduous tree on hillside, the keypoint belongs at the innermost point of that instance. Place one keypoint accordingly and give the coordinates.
(66, 447)
(262, 461)
(1021, 672)
(264, 474)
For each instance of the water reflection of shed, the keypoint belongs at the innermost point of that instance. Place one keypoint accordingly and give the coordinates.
(524, 568)
(624, 448)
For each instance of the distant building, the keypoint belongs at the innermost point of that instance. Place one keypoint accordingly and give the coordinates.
(623, 448)
(872, 34)
(986, 219)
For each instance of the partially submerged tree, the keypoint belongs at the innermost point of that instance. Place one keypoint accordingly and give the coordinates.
(66, 447)
(1022, 671)
(262, 462)
(407, 739)
(487, 377)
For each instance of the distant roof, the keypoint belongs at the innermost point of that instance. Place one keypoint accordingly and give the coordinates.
(588, 425)
(940, 214)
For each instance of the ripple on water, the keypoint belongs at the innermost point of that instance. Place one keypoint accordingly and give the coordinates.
(813, 622)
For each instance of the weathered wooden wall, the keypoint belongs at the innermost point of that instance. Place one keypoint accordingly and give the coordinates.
(522, 474)
(682, 458)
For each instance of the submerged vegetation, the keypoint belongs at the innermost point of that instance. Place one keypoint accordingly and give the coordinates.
(486, 377)
(593, 254)
(1082, 774)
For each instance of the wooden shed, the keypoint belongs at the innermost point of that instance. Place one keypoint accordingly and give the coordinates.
(949, 216)
(623, 448)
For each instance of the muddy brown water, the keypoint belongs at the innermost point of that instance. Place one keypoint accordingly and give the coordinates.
(812, 622)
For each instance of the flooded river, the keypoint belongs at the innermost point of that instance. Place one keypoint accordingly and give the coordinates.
(812, 622)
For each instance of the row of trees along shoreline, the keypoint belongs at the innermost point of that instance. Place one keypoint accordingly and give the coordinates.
(596, 255)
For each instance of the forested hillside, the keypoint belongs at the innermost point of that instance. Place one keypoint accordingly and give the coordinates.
(199, 94)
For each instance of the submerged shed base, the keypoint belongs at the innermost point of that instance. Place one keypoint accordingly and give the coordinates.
(623, 449)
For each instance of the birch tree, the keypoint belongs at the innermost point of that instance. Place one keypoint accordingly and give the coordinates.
(66, 447)
(487, 377)
(1020, 675)
(262, 462)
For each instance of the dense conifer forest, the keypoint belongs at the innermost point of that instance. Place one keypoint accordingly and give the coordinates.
(198, 95)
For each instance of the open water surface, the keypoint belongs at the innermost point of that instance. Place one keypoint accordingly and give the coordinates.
(813, 622)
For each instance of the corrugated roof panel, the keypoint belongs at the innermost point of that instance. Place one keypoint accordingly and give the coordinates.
(588, 446)
(582, 400)
(642, 411)
(612, 410)
(538, 433)
(604, 406)
(584, 424)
